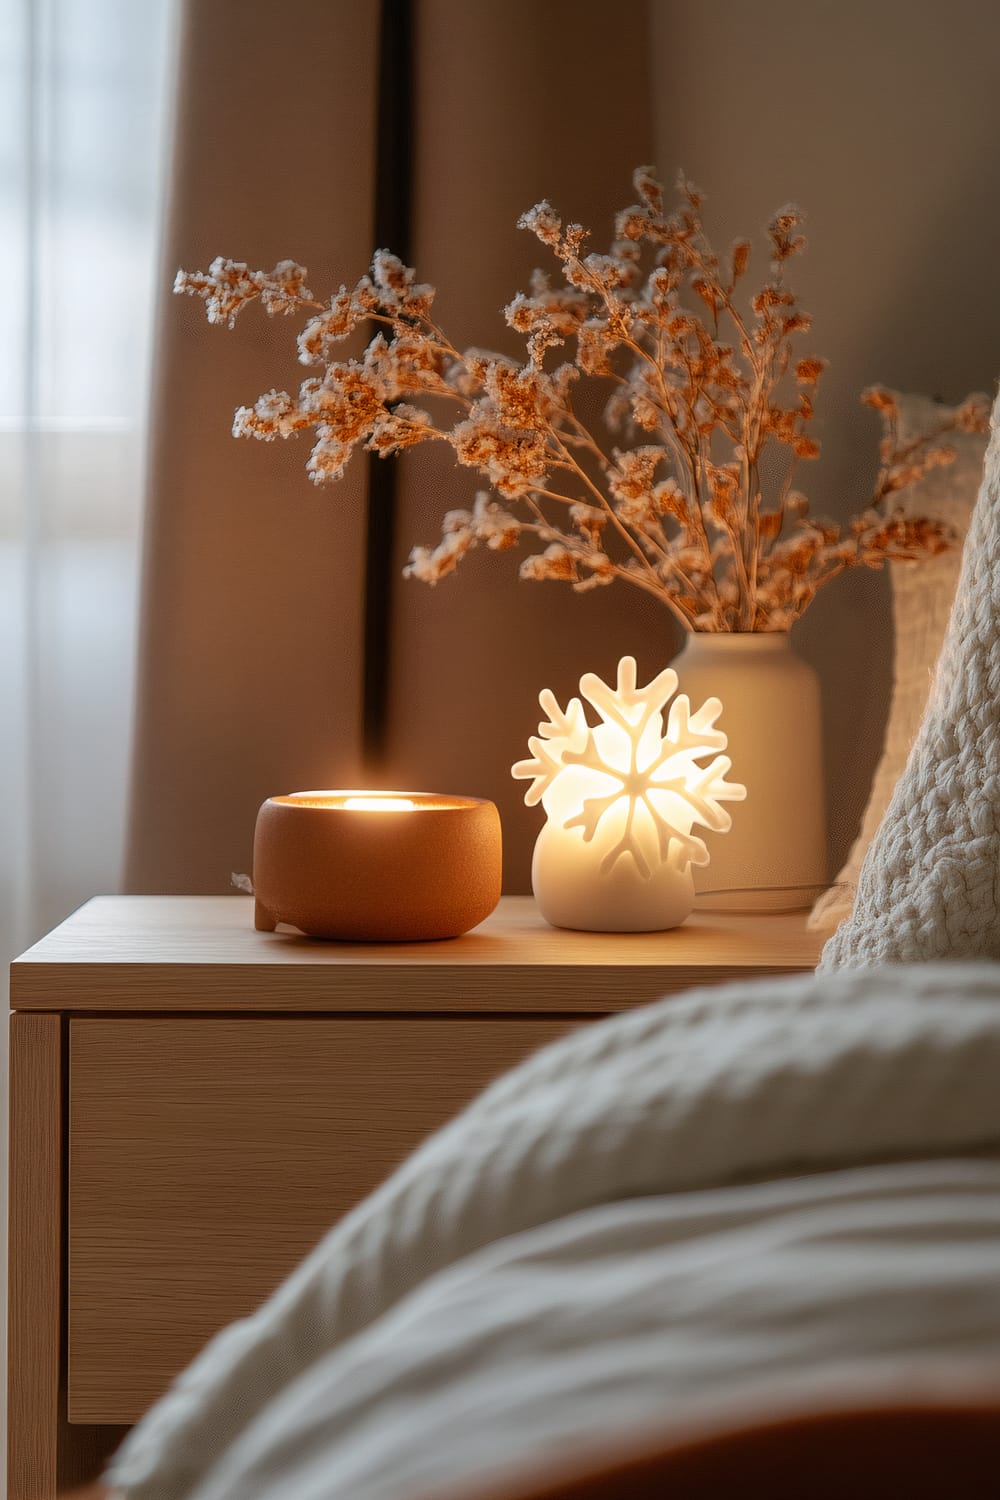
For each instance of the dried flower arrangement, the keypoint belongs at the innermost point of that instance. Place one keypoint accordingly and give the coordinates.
(699, 385)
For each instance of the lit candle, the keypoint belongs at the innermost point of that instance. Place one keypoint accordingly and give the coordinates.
(621, 799)
(425, 866)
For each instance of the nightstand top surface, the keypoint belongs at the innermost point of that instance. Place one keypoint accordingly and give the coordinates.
(202, 953)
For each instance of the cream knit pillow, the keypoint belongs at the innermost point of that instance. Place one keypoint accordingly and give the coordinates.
(928, 887)
(922, 595)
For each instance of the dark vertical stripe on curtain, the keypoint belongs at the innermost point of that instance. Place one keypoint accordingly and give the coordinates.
(393, 219)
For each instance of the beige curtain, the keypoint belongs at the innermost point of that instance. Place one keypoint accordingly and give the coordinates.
(252, 641)
(250, 648)
(251, 661)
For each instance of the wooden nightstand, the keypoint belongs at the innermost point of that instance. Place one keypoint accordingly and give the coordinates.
(193, 1103)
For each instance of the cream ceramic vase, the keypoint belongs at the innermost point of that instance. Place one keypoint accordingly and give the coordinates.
(774, 856)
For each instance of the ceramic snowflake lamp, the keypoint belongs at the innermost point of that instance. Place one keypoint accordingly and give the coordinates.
(621, 799)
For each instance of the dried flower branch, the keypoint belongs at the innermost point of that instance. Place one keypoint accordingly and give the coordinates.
(701, 382)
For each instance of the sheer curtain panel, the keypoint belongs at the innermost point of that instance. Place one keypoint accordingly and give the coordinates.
(83, 88)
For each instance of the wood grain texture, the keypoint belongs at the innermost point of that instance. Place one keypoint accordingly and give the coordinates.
(83, 1450)
(207, 1156)
(34, 1276)
(201, 953)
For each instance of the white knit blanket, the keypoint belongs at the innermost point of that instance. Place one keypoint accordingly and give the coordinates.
(644, 1143)
(929, 886)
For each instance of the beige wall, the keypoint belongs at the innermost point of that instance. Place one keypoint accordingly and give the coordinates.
(882, 119)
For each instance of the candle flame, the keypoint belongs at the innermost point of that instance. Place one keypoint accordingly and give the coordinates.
(379, 804)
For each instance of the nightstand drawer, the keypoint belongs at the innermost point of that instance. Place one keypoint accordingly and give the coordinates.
(207, 1156)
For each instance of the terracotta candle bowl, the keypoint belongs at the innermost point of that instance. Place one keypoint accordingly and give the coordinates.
(376, 866)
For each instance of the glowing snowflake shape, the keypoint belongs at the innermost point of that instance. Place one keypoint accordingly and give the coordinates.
(629, 772)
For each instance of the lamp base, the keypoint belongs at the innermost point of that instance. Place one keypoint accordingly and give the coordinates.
(573, 891)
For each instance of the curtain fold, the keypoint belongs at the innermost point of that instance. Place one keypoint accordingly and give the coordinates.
(252, 578)
(84, 98)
